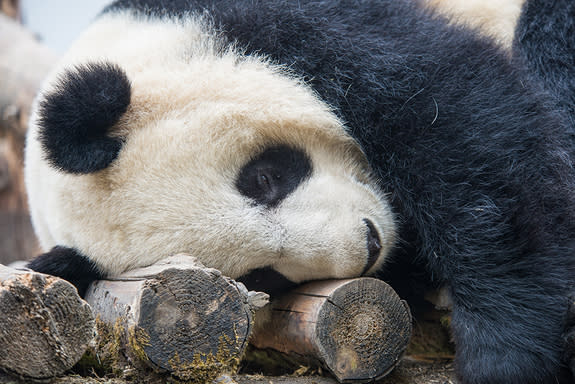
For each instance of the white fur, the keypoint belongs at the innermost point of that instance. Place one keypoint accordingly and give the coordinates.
(496, 18)
(199, 111)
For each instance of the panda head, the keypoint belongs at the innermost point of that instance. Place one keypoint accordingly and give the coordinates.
(199, 150)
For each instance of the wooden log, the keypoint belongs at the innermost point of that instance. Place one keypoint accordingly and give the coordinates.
(179, 317)
(45, 327)
(357, 328)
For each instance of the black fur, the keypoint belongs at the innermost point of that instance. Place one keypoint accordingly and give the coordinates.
(75, 118)
(272, 175)
(68, 264)
(545, 38)
(569, 355)
(476, 160)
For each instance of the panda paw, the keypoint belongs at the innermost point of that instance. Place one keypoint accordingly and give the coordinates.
(68, 264)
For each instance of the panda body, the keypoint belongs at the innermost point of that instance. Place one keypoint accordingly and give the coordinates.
(315, 139)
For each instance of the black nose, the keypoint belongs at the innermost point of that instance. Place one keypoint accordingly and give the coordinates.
(373, 245)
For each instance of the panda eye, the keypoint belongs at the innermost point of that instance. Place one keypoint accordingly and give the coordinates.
(274, 174)
(264, 182)
(267, 181)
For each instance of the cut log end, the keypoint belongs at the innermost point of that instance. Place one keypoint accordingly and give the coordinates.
(179, 317)
(45, 325)
(199, 315)
(363, 330)
(357, 328)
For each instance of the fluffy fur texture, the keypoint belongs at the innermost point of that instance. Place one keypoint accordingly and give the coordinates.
(474, 159)
(75, 117)
(545, 41)
(494, 18)
(68, 264)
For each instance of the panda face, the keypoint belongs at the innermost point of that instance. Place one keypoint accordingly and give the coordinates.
(225, 157)
(248, 195)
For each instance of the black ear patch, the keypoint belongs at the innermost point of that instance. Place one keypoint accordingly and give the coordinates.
(273, 175)
(76, 116)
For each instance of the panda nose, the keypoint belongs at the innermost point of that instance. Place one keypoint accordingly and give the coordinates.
(373, 245)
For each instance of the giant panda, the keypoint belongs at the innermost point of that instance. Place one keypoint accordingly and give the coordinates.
(286, 141)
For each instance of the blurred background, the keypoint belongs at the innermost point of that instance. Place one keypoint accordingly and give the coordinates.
(33, 34)
(58, 22)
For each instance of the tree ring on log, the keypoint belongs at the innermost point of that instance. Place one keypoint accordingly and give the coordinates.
(180, 310)
(45, 327)
(356, 328)
(364, 329)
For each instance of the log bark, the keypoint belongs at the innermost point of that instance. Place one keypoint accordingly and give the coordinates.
(179, 317)
(23, 65)
(44, 328)
(357, 328)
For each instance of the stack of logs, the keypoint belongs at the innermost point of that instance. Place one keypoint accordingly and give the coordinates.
(181, 318)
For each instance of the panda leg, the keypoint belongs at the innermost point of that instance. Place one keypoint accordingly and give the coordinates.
(508, 330)
(68, 264)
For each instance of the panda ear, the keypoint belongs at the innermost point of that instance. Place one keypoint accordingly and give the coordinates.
(76, 116)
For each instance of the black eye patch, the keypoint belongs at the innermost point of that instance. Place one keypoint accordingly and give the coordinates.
(271, 176)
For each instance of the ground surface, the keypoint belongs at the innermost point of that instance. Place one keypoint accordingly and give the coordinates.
(409, 371)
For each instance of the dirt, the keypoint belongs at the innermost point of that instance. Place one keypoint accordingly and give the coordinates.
(409, 371)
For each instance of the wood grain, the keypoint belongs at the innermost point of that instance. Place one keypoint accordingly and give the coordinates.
(44, 328)
(357, 328)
